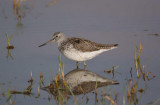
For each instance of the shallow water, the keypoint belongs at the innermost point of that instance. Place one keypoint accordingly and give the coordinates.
(127, 23)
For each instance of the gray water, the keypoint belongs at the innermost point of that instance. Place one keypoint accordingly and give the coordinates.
(127, 23)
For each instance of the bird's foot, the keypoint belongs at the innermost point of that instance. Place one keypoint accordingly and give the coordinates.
(77, 64)
(85, 65)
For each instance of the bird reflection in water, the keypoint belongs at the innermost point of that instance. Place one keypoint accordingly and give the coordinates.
(79, 81)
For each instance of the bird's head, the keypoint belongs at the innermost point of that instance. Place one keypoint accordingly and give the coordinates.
(57, 37)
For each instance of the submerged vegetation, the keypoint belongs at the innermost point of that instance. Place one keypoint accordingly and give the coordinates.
(26, 91)
(132, 90)
(62, 92)
(133, 84)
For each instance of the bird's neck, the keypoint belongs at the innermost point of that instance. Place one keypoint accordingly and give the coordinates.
(61, 40)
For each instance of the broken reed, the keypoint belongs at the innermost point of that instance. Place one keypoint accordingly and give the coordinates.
(26, 91)
(137, 61)
(17, 10)
(138, 64)
(111, 100)
(41, 82)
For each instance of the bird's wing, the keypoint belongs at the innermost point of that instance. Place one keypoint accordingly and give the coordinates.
(84, 45)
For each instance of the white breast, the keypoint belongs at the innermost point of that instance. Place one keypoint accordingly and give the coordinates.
(77, 55)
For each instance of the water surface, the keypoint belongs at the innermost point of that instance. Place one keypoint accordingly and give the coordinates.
(127, 23)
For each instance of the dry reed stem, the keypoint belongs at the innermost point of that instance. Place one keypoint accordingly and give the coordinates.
(75, 100)
(156, 101)
(136, 64)
(51, 3)
(111, 100)
(31, 77)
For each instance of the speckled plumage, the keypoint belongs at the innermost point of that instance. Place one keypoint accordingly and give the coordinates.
(85, 45)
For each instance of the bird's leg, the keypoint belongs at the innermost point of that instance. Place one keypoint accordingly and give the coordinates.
(77, 63)
(85, 65)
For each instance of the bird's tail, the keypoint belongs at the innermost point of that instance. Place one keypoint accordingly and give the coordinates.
(109, 46)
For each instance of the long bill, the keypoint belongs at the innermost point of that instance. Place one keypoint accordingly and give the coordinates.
(52, 40)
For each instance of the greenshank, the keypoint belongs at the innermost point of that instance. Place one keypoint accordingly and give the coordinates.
(79, 49)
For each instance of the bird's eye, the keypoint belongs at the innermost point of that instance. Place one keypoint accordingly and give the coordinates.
(56, 36)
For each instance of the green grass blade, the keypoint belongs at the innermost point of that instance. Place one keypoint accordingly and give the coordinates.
(8, 96)
(8, 39)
